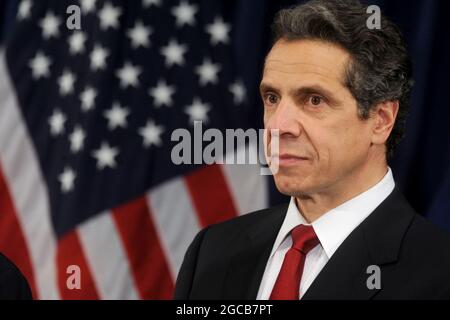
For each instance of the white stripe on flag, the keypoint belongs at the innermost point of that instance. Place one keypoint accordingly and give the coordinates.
(247, 186)
(27, 187)
(107, 258)
(175, 220)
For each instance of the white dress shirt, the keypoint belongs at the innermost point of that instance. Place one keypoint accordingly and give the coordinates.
(332, 229)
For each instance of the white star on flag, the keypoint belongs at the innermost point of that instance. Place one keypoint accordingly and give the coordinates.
(128, 75)
(105, 156)
(238, 91)
(151, 134)
(67, 179)
(184, 13)
(149, 3)
(116, 116)
(208, 72)
(139, 35)
(173, 53)
(76, 42)
(40, 66)
(98, 57)
(87, 98)
(24, 10)
(109, 16)
(198, 111)
(66, 83)
(50, 26)
(87, 6)
(76, 139)
(218, 31)
(162, 94)
(56, 122)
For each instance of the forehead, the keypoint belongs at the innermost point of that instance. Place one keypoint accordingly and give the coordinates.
(301, 57)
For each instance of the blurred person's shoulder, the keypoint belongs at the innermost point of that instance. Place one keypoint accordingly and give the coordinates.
(13, 285)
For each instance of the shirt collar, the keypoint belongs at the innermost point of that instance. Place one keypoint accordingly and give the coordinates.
(333, 227)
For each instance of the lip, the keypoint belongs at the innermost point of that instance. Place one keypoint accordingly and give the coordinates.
(286, 160)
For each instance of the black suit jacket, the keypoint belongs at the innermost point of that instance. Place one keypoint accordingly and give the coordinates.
(227, 260)
(13, 285)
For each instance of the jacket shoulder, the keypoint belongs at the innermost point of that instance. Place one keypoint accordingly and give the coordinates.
(248, 222)
(206, 260)
(251, 217)
(429, 240)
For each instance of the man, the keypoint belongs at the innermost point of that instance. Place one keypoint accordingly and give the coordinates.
(13, 285)
(338, 93)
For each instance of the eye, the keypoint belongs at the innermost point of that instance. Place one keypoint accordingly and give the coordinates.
(315, 100)
(270, 99)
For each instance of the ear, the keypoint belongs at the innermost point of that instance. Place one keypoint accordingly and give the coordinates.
(384, 119)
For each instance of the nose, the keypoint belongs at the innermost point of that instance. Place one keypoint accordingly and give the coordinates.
(285, 118)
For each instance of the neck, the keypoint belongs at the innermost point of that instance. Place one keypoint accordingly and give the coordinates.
(313, 206)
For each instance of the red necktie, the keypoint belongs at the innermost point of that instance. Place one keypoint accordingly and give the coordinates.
(288, 282)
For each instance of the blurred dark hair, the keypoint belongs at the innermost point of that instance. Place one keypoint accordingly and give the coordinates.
(380, 69)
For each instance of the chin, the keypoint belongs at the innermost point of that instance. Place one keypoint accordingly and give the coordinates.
(291, 186)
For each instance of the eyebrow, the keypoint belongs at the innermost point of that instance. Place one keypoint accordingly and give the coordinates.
(317, 89)
(263, 87)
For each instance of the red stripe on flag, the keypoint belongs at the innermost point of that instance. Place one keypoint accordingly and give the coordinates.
(139, 236)
(210, 195)
(70, 253)
(12, 241)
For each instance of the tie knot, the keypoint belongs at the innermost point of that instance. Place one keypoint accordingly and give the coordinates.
(304, 238)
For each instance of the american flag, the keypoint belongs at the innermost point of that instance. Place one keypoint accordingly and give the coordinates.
(86, 117)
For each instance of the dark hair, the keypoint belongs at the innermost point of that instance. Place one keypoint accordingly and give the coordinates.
(379, 70)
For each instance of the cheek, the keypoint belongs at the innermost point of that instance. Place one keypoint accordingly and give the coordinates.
(349, 142)
(333, 143)
(321, 139)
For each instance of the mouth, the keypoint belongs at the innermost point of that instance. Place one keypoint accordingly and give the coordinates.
(288, 160)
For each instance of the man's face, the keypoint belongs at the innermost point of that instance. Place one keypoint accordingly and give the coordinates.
(322, 141)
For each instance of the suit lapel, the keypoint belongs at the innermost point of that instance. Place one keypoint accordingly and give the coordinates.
(376, 241)
(247, 266)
